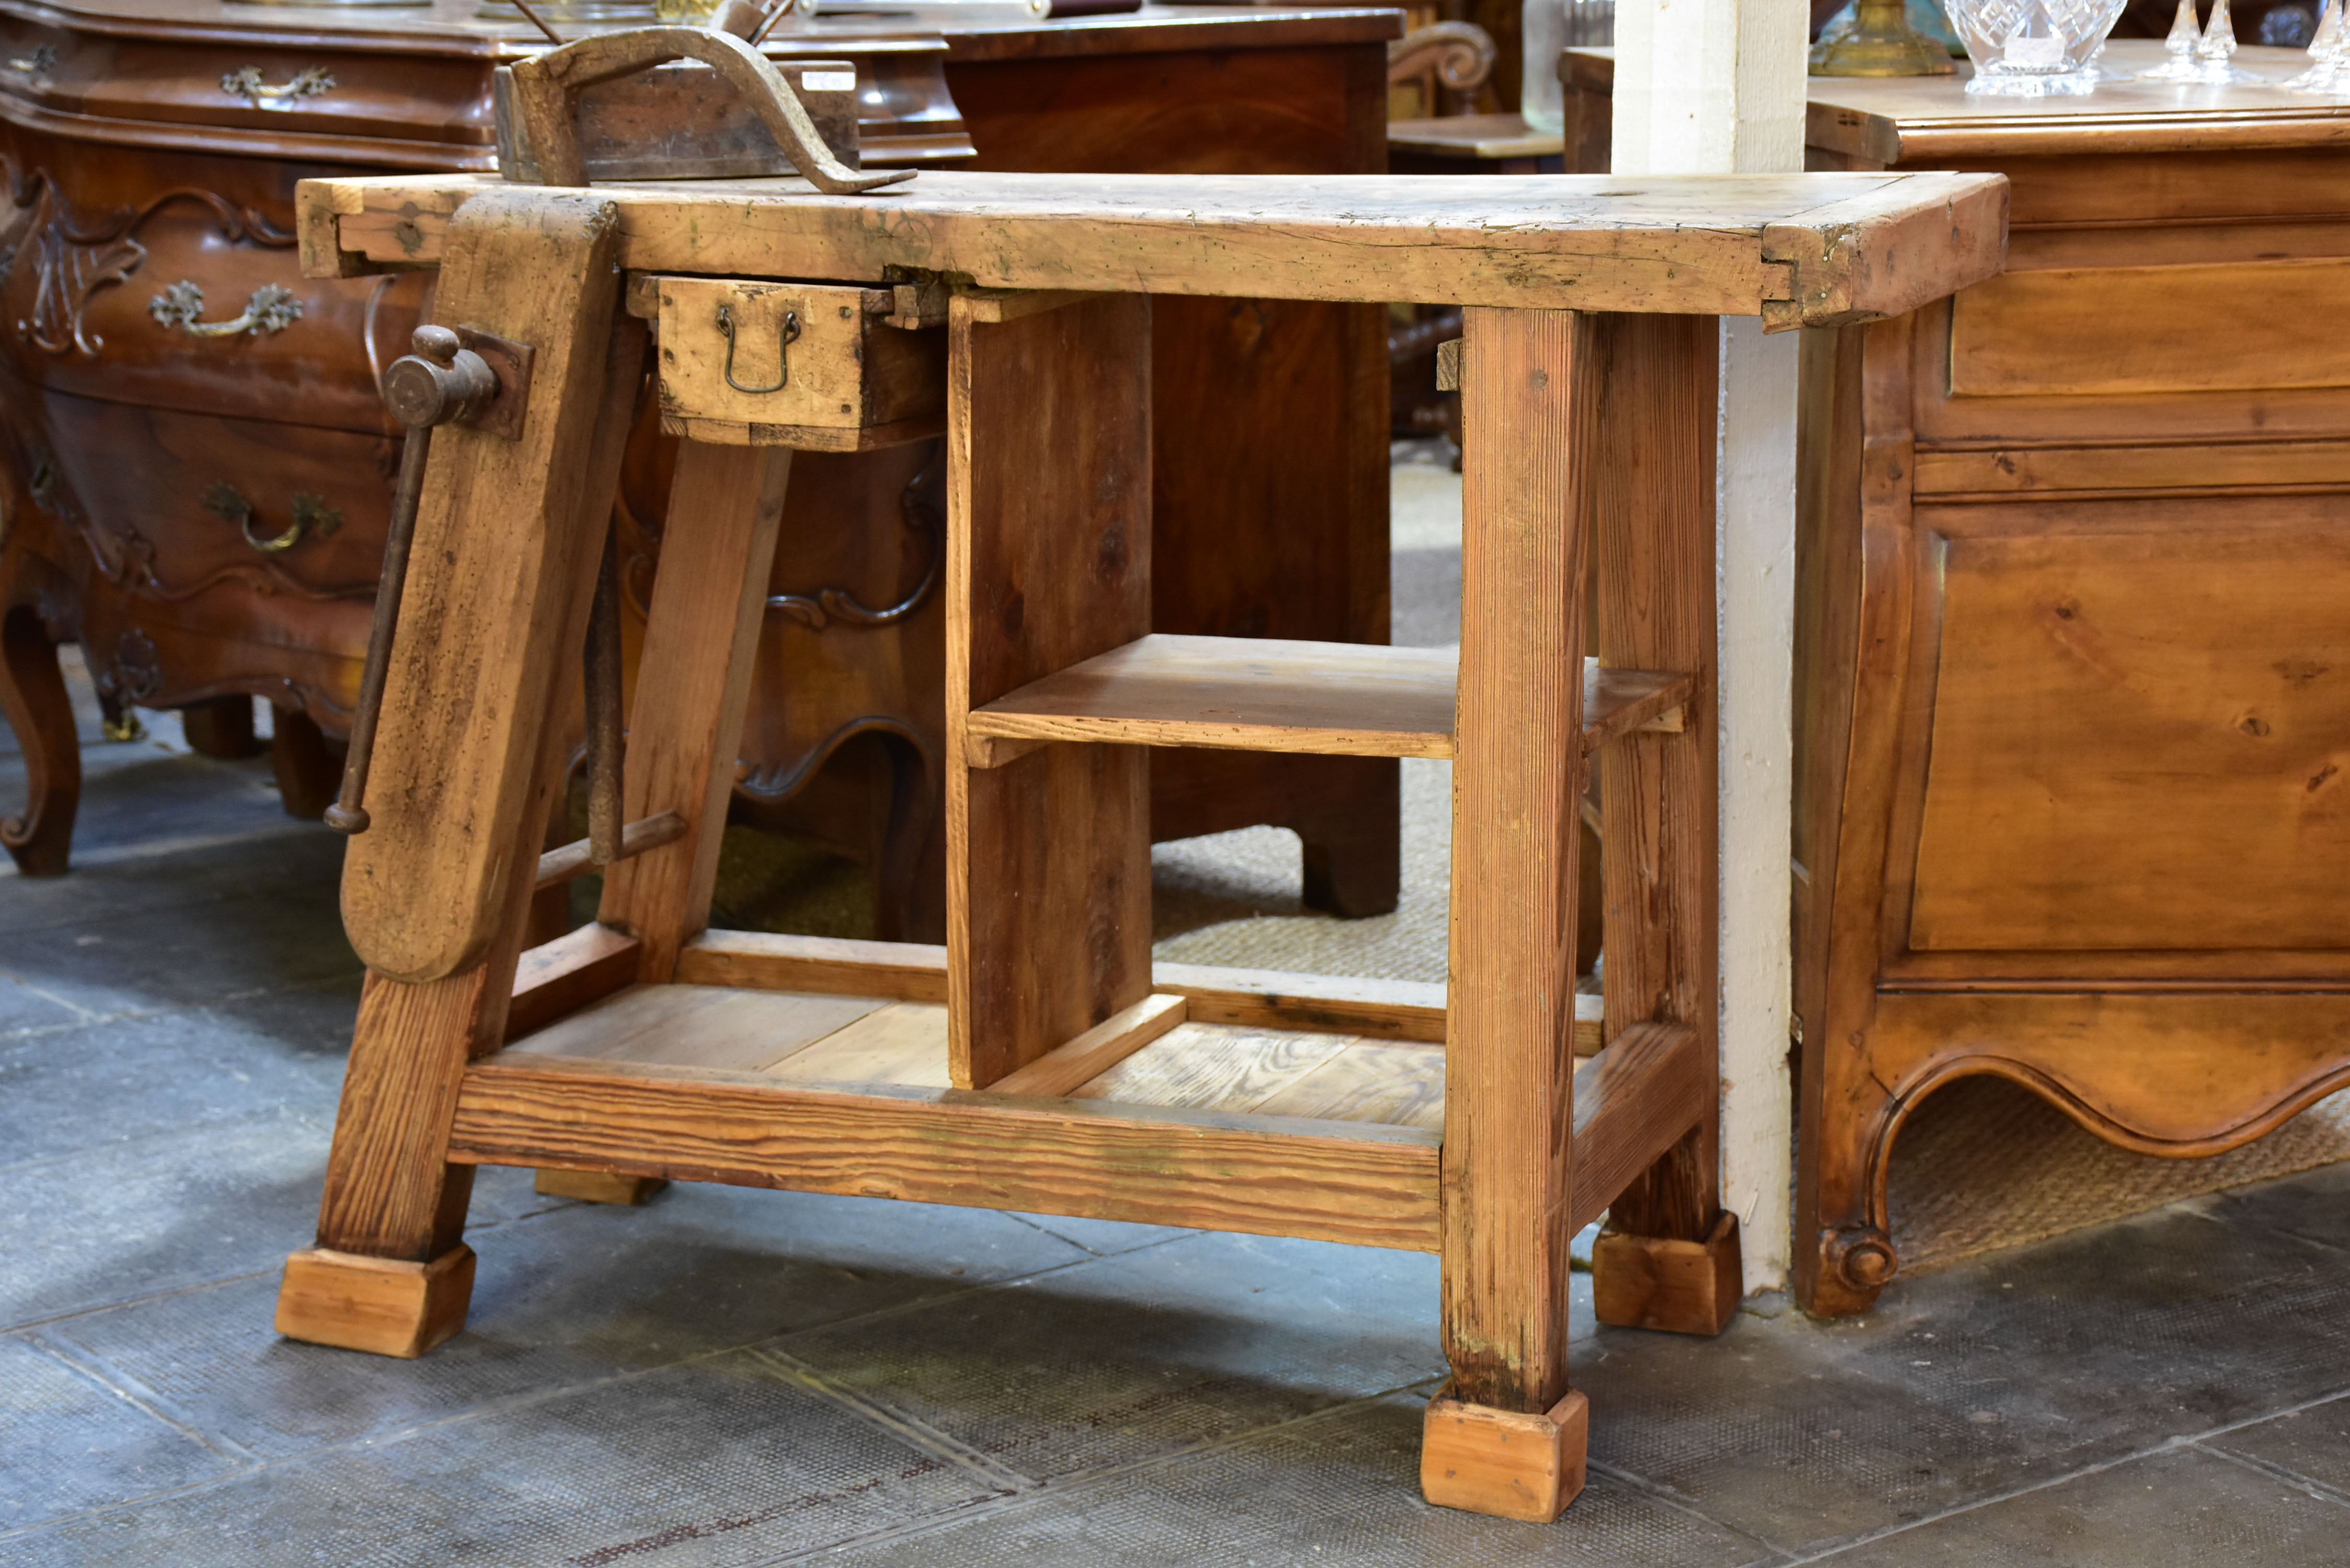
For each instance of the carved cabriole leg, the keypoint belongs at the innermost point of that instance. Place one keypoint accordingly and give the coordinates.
(221, 727)
(33, 695)
(1507, 1437)
(1669, 1258)
(1048, 553)
(390, 1274)
(307, 770)
(1855, 568)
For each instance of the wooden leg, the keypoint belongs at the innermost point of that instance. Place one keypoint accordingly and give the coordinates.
(308, 770)
(1353, 838)
(1843, 1255)
(1048, 562)
(221, 727)
(693, 680)
(390, 1272)
(1496, 1443)
(33, 695)
(1670, 1259)
(596, 1185)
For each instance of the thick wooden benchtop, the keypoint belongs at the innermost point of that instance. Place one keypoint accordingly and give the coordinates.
(1802, 249)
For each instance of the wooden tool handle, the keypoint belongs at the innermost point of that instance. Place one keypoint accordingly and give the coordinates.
(547, 96)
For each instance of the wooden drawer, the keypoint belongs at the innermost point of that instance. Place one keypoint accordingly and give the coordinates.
(131, 264)
(808, 365)
(2233, 350)
(173, 503)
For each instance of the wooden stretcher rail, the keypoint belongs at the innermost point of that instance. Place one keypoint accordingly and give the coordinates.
(577, 859)
(1340, 699)
(1354, 1183)
(1812, 249)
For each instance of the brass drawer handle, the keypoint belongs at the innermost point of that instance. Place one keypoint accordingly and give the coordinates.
(783, 350)
(247, 85)
(272, 308)
(312, 515)
(38, 63)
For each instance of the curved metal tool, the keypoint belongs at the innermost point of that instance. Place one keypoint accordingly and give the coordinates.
(546, 98)
(441, 383)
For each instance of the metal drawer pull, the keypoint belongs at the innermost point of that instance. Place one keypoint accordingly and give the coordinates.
(38, 62)
(272, 308)
(783, 350)
(247, 85)
(312, 515)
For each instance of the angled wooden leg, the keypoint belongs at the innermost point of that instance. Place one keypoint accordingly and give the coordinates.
(1669, 1258)
(1507, 1437)
(1048, 562)
(497, 591)
(33, 695)
(693, 682)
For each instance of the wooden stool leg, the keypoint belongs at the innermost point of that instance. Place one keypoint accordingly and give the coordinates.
(1507, 1437)
(1669, 1258)
(694, 682)
(1048, 562)
(498, 586)
(33, 695)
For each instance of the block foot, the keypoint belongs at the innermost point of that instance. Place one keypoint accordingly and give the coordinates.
(1507, 1463)
(596, 1185)
(1681, 1287)
(380, 1305)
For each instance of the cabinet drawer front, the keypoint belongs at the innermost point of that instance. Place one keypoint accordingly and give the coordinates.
(2139, 728)
(803, 356)
(173, 503)
(2121, 331)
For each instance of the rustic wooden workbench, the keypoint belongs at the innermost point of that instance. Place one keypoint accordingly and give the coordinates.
(1060, 1074)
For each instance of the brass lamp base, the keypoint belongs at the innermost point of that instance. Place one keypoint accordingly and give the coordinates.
(1880, 43)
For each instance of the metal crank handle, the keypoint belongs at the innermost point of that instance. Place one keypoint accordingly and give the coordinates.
(440, 383)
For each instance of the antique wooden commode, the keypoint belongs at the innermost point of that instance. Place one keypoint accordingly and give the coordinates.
(1032, 1062)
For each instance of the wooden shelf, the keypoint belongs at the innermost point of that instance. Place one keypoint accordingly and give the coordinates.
(1253, 694)
(1294, 1132)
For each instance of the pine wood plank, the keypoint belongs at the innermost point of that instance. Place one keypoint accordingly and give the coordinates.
(378, 1305)
(900, 972)
(1213, 1067)
(693, 680)
(1339, 1004)
(902, 1042)
(1527, 392)
(503, 530)
(1262, 694)
(565, 975)
(1633, 1102)
(1048, 562)
(1335, 698)
(699, 1027)
(1828, 247)
(1352, 1182)
(1653, 521)
(1098, 1049)
(1399, 1085)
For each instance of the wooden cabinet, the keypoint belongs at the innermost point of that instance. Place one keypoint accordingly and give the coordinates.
(2073, 667)
(211, 504)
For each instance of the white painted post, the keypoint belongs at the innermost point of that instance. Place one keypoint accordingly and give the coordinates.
(1716, 87)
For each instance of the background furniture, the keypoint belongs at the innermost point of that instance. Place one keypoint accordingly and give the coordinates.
(205, 512)
(2073, 720)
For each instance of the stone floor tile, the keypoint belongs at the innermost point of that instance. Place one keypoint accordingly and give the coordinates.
(2182, 1509)
(69, 1444)
(2001, 1372)
(716, 1464)
(142, 959)
(1140, 1354)
(1340, 1490)
(564, 1299)
(158, 1213)
(27, 1008)
(111, 1083)
(2314, 1444)
(300, 869)
(1104, 1237)
(2314, 1206)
